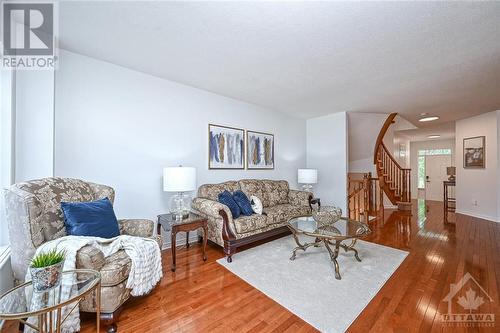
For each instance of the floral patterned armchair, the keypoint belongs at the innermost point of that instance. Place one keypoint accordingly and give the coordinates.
(34, 216)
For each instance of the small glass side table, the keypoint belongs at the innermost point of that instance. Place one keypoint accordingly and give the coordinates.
(22, 302)
(191, 223)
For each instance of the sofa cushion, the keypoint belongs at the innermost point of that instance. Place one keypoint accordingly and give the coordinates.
(276, 192)
(254, 187)
(243, 202)
(280, 214)
(211, 191)
(244, 224)
(256, 205)
(93, 218)
(226, 198)
(116, 268)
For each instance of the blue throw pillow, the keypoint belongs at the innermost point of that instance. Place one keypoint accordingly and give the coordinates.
(244, 203)
(227, 199)
(94, 218)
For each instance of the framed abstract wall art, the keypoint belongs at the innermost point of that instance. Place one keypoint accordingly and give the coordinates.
(260, 150)
(475, 152)
(226, 147)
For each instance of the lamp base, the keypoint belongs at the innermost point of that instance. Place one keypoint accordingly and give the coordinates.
(307, 187)
(180, 206)
(179, 216)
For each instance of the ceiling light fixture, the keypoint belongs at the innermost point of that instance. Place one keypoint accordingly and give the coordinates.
(434, 136)
(431, 118)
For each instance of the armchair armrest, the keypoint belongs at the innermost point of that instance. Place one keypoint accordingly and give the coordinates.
(137, 227)
(90, 257)
(102, 191)
(300, 198)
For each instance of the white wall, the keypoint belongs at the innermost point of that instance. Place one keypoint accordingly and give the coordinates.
(481, 185)
(121, 127)
(419, 145)
(34, 124)
(402, 155)
(327, 152)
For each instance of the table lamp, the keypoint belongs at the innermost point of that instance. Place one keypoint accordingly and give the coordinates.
(450, 171)
(307, 177)
(180, 180)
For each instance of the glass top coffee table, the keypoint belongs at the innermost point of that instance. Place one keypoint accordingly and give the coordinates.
(52, 307)
(331, 234)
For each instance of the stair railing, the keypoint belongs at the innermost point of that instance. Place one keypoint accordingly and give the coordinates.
(364, 196)
(394, 179)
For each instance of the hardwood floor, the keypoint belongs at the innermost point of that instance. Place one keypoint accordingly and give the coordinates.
(205, 297)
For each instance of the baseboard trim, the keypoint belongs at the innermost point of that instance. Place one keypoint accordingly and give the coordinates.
(479, 216)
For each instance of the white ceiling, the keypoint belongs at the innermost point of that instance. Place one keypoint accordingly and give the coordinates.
(306, 58)
(445, 130)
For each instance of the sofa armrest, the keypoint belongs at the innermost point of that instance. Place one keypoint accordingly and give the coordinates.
(215, 210)
(210, 208)
(90, 257)
(137, 227)
(300, 198)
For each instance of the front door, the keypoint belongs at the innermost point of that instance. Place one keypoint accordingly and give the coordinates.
(435, 170)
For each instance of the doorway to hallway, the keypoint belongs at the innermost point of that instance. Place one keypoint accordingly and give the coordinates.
(432, 164)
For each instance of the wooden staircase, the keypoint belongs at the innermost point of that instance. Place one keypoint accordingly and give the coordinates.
(394, 180)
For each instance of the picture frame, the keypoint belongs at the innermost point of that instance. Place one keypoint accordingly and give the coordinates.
(474, 152)
(226, 148)
(259, 151)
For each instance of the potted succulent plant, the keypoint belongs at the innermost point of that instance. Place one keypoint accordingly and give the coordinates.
(46, 269)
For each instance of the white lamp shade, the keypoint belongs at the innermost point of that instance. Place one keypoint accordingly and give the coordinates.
(179, 179)
(307, 176)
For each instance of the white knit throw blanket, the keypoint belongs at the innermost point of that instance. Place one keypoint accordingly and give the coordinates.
(145, 272)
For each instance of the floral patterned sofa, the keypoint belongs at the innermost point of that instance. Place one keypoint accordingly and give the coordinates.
(34, 217)
(280, 204)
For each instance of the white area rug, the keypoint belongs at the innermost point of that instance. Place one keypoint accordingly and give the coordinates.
(307, 286)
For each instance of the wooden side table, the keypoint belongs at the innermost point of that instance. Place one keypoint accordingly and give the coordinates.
(191, 223)
(449, 202)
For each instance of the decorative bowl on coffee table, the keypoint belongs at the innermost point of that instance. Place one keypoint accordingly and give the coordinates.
(327, 214)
